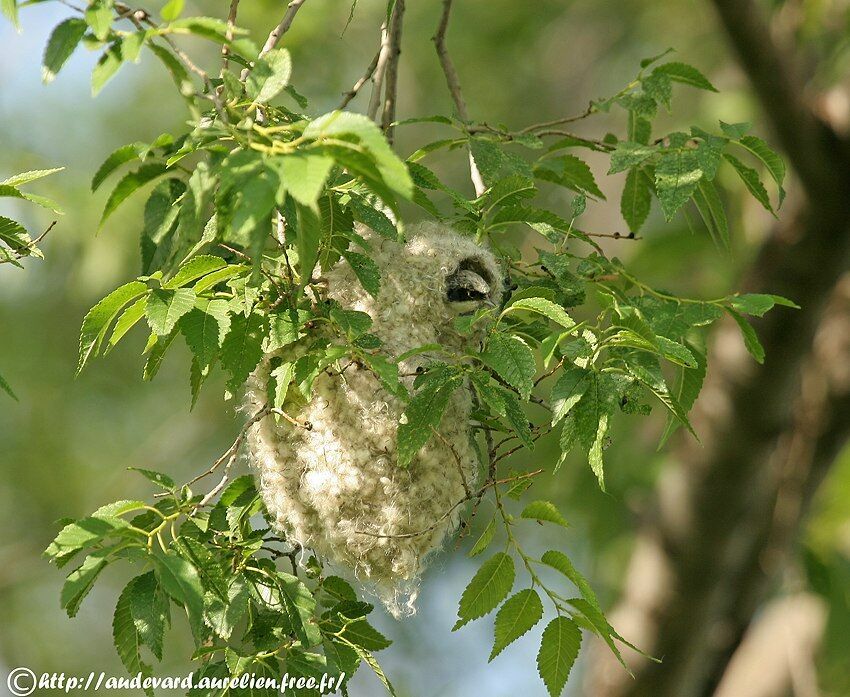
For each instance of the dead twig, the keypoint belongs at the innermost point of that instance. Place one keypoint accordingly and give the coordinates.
(355, 90)
(391, 81)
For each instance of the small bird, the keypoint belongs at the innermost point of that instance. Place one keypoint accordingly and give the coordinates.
(337, 488)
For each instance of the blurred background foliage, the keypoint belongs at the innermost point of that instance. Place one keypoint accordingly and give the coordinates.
(65, 447)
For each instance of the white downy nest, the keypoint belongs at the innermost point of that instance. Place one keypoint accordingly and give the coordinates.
(337, 488)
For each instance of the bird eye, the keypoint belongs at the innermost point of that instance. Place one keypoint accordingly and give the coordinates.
(470, 282)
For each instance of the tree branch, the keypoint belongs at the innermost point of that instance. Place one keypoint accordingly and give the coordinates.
(453, 83)
(391, 81)
(378, 74)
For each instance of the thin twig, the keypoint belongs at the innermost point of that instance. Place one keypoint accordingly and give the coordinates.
(559, 122)
(453, 83)
(391, 81)
(276, 33)
(457, 460)
(228, 33)
(353, 92)
(378, 75)
(227, 458)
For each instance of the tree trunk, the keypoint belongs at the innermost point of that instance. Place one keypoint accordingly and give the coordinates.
(725, 515)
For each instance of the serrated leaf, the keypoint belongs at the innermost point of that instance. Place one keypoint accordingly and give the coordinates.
(571, 386)
(677, 175)
(628, 155)
(392, 170)
(61, 44)
(97, 320)
(179, 578)
(172, 10)
(303, 175)
(636, 200)
(242, 349)
(484, 539)
(752, 181)
(771, 160)
(558, 651)
(158, 478)
(686, 74)
(712, 211)
(561, 562)
(423, 412)
(735, 130)
(516, 617)
(205, 328)
(149, 608)
(165, 307)
(106, 67)
(125, 153)
(513, 360)
(80, 582)
(751, 340)
(128, 185)
(98, 16)
(366, 270)
(269, 75)
(124, 634)
(489, 587)
(544, 511)
(81, 534)
(690, 385)
(571, 172)
(195, 268)
(543, 307)
(757, 304)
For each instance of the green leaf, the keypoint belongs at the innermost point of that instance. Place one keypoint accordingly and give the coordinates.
(570, 172)
(567, 392)
(124, 154)
(81, 580)
(171, 10)
(129, 184)
(61, 44)
(735, 130)
(516, 617)
(677, 175)
(392, 170)
(558, 651)
(205, 328)
(689, 388)
(179, 578)
(106, 67)
(149, 609)
(771, 160)
(686, 74)
(308, 238)
(592, 417)
(124, 634)
(758, 304)
(544, 511)
(178, 73)
(751, 340)
(628, 155)
(752, 181)
(97, 320)
(98, 16)
(10, 10)
(561, 562)
(366, 270)
(194, 269)
(269, 75)
(489, 587)
(712, 211)
(242, 348)
(636, 200)
(423, 412)
(158, 478)
(544, 307)
(303, 175)
(282, 377)
(165, 307)
(484, 539)
(488, 157)
(513, 360)
(81, 534)
(157, 346)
